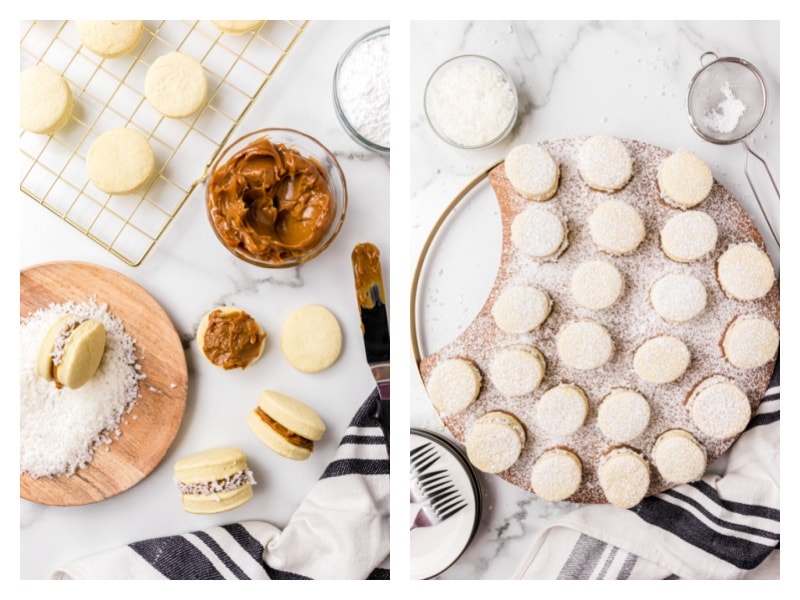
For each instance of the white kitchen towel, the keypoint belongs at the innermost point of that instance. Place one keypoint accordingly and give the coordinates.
(340, 530)
(721, 527)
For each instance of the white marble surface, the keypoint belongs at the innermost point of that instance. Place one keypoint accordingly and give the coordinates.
(627, 79)
(190, 273)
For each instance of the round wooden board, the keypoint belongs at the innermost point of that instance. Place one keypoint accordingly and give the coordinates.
(150, 428)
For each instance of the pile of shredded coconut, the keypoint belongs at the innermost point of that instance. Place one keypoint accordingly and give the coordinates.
(60, 429)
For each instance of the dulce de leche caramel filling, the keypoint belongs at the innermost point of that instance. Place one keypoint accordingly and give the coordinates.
(270, 202)
(290, 436)
(233, 339)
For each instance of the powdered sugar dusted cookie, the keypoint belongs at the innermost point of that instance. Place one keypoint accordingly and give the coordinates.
(684, 179)
(689, 236)
(623, 415)
(175, 85)
(562, 409)
(556, 475)
(661, 359)
(453, 385)
(584, 345)
(679, 457)
(495, 441)
(520, 309)
(45, 100)
(517, 370)
(750, 341)
(624, 476)
(110, 39)
(532, 171)
(605, 163)
(616, 227)
(719, 408)
(539, 232)
(678, 297)
(596, 284)
(745, 272)
(120, 161)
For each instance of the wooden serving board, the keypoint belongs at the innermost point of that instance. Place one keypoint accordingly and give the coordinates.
(150, 428)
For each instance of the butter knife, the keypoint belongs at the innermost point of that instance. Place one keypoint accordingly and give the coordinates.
(374, 324)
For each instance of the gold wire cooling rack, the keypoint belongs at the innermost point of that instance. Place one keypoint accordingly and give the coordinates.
(109, 93)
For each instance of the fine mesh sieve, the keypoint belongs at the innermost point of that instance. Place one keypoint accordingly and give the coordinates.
(727, 100)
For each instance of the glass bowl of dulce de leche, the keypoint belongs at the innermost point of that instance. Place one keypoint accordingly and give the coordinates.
(276, 198)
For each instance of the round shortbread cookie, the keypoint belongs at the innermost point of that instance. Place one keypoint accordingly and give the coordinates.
(119, 161)
(623, 415)
(517, 370)
(532, 172)
(661, 359)
(45, 100)
(719, 408)
(684, 179)
(584, 345)
(556, 475)
(678, 297)
(596, 284)
(562, 409)
(175, 85)
(604, 163)
(539, 233)
(311, 338)
(453, 385)
(616, 227)
(237, 27)
(750, 342)
(521, 309)
(745, 272)
(624, 477)
(679, 457)
(689, 236)
(110, 39)
(494, 442)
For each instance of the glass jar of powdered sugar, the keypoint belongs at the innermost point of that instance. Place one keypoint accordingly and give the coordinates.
(471, 102)
(361, 90)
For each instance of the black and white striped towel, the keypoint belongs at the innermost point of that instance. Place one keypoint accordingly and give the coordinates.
(340, 531)
(721, 527)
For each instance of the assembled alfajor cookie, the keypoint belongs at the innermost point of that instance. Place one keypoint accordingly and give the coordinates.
(285, 425)
(495, 441)
(71, 351)
(214, 480)
(230, 338)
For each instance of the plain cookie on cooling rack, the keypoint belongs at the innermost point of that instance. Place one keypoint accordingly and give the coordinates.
(45, 100)
(689, 236)
(453, 385)
(719, 408)
(745, 272)
(679, 457)
(623, 415)
(584, 345)
(616, 227)
(661, 359)
(311, 338)
(517, 370)
(120, 161)
(175, 85)
(596, 284)
(678, 297)
(520, 309)
(532, 172)
(750, 342)
(556, 475)
(562, 409)
(539, 233)
(604, 163)
(495, 441)
(110, 39)
(237, 27)
(624, 477)
(684, 179)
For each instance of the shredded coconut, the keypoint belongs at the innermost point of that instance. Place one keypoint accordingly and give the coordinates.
(724, 117)
(60, 429)
(212, 488)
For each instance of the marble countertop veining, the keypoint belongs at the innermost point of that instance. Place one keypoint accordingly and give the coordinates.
(629, 79)
(189, 273)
